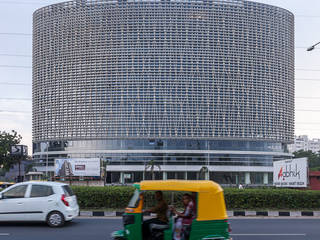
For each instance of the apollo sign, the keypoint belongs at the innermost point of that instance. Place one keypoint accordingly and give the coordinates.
(290, 173)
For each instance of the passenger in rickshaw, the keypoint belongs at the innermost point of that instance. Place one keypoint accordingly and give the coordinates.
(161, 210)
(184, 218)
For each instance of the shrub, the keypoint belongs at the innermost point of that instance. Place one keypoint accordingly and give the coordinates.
(117, 197)
(272, 199)
(103, 197)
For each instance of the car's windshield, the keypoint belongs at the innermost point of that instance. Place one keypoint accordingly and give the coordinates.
(134, 200)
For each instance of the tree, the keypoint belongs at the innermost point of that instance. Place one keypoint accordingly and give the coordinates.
(313, 158)
(6, 141)
(105, 163)
(151, 166)
(29, 168)
(203, 173)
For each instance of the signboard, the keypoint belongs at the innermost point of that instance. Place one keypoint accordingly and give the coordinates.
(19, 150)
(89, 167)
(290, 173)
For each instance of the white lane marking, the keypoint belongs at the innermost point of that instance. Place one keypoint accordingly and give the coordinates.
(4, 234)
(267, 234)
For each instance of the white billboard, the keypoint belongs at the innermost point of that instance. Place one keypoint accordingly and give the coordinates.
(290, 173)
(89, 167)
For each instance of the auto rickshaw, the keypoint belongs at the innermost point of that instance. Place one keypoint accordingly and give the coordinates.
(211, 220)
(4, 185)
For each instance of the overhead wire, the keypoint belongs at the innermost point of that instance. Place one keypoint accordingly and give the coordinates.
(15, 84)
(14, 66)
(15, 55)
(23, 3)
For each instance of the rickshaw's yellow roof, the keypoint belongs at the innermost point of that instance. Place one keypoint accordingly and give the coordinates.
(181, 185)
(7, 183)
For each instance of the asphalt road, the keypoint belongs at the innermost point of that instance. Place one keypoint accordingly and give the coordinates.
(94, 228)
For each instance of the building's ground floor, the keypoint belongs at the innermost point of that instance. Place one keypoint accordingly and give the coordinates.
(224, 178)
(130, 160)
(225, 175)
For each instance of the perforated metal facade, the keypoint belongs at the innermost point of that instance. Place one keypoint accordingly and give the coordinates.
(163, 69)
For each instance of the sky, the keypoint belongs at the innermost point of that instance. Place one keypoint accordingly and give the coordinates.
(16, 61)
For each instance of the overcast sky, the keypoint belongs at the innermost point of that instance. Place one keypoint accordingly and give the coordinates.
(16, 73)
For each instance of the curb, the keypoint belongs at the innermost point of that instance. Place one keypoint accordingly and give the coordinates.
(273, 213)
(230, 214)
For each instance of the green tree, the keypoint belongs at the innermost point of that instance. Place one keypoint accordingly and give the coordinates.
(104, 164)
(203, 173)
(6, 141)
(313, 158)
(151, 165)
(29, 168)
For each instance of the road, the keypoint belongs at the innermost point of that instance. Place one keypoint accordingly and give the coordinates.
(100, 228)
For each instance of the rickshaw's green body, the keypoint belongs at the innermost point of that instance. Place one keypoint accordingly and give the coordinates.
(207, 225)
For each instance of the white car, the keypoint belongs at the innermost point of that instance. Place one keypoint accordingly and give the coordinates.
(50, 202)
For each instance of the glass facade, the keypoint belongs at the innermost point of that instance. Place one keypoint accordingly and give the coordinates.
(163, 144)
(165, 151)
(205, 82)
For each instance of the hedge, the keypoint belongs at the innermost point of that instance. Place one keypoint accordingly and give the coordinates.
(117, 197)
(272, 199)
(103, 197)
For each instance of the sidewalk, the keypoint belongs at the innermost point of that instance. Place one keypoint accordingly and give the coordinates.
(230, 213)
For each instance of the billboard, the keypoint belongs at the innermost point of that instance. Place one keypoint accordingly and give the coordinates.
(89, 167)
(290, 173)
(19, 150)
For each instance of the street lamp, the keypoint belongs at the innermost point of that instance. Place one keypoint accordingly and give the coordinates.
(312, 47)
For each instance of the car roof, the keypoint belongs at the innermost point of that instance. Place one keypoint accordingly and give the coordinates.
(42, 183)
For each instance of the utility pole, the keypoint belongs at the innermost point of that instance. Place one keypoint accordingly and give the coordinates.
(47, 143)
(19, 164)
(20, 151)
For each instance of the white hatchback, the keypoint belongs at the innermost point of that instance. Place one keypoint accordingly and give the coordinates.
(50, 202)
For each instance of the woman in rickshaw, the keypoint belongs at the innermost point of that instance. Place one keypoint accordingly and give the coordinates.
(184, 218)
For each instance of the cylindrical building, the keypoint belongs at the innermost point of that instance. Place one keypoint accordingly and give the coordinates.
(186, 83)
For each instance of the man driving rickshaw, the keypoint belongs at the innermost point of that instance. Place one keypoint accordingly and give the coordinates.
(210, 220)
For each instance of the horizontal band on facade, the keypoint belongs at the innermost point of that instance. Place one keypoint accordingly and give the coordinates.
(80, 151)
(178, 168)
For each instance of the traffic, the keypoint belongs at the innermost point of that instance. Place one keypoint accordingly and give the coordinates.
(204, 215)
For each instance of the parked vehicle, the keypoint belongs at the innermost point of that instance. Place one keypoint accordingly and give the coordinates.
(211, 220)
(50, 202)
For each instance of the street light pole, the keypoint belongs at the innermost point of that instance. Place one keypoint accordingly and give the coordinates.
(312, 47)
(19, 163)
(47, 160)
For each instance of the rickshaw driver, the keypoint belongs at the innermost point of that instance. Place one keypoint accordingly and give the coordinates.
(161, 210)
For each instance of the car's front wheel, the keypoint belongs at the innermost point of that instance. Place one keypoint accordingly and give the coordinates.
(55, 219)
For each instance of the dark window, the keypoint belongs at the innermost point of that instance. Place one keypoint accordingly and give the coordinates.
(41, 191)
(16, 192)
(67, 190)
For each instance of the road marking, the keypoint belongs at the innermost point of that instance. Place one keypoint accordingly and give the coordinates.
(4, 234)
(267, 234)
